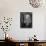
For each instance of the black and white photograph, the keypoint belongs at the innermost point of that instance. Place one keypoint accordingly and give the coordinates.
(26, 19)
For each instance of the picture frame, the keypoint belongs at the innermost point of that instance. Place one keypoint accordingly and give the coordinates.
(26, 19)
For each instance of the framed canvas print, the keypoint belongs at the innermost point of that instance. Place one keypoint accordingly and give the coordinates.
(26, 19)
